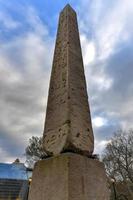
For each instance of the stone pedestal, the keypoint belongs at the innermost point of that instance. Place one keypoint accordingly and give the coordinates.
(69, 177)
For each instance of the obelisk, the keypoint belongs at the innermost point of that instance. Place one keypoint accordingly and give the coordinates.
(69, 173)
(68, 121)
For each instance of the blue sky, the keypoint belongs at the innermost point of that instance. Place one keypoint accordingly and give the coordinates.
(27, 39)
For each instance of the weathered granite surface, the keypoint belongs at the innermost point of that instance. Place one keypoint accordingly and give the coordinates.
(69, 177)
(68, 121)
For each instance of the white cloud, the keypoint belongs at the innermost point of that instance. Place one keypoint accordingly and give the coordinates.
(100, 146)
(25, 63)
(107, 25)
(35, 22)
(110, 23)
(88, 50)
(6, 157)
(7, 21)
(99, 121)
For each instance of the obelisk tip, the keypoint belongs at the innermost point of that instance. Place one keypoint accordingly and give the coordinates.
(68, 7)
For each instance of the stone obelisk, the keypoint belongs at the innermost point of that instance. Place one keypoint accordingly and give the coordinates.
(69, 173)
(68, 122)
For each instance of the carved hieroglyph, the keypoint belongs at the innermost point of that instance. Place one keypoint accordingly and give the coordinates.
(68, 121)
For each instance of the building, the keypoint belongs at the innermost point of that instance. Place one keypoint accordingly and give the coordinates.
(14, 181)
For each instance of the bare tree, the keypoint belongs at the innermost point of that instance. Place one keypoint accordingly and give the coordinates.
(118, 157)
(34, 151)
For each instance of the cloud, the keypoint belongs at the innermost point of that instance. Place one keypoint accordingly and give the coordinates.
(109, 75)
(100, 146)
(7, 21)
(25, 62)
(99, 121)
(24, 68)
(6, 156)
(89, 49)
(108, 23)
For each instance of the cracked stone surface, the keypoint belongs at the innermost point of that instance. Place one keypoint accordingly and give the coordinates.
(68, 124)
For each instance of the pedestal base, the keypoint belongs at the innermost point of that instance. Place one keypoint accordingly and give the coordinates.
(69, 177)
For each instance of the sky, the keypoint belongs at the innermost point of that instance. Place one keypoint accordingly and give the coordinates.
(27, 38)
